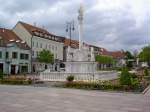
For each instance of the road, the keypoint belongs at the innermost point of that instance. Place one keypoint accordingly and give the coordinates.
(43, 99)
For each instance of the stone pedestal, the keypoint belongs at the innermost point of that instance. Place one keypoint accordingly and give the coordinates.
(80, 67)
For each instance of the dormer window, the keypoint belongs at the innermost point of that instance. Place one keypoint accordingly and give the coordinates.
(1, 42)
(41, 34)
(17, 41)
(36, 33)
(11, 40)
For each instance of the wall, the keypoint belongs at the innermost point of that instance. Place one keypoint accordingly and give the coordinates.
(8, 62)
(2, 60)
(55, 47)
(22, 33)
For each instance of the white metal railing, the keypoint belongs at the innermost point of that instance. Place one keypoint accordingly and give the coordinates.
(61, 76)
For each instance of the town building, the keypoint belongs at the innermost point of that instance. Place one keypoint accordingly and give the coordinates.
(118, 56)
(31, 39)
(96, 49)
(38, 39)
(15, 55)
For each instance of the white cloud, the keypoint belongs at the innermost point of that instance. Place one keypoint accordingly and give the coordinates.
(114, 24)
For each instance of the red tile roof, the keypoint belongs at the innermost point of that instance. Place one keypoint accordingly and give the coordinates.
(8, 36)
(114, 54)
(40, 32)
(73, 43)
(32, 28)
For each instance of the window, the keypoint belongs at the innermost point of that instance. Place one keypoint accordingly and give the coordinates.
(24, 56)
(56, 56)
(24, 69)
(41, 45)
(37, 44)
(21, 56)
(49, 46)
(0, 54)
(7, 55)
(52, 47)
(56, 48)
(45, 66)
(37, 53)
(14, 55)
(32, 53)
(1, 42)
(32, 44)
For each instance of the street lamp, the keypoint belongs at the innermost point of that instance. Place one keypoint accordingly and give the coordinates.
(70, 28)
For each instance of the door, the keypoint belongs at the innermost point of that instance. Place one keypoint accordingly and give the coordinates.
(13, 69)
(1, 67)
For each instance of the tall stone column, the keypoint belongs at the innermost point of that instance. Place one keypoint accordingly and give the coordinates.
(80, 25)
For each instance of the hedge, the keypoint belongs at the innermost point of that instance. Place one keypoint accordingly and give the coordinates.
(15, 82)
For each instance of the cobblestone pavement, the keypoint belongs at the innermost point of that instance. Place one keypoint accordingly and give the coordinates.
(42, 99)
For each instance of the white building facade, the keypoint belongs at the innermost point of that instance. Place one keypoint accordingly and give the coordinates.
(39, 39)
(14, 54)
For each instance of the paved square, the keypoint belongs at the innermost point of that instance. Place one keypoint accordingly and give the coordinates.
(42, 99)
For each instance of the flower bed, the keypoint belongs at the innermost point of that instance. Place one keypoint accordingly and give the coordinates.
(102, 86)
(16, 81)
(129, 82)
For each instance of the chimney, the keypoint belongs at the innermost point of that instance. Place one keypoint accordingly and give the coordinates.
(3, 30)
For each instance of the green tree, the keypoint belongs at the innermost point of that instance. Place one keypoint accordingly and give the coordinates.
(104, 59)
(46, 56)
(146, 72)
(129, 57)
(145, 54)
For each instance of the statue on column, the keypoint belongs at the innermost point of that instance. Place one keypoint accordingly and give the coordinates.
(80, 23)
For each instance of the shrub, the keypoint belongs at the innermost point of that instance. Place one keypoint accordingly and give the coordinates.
(1, 74)
(133, 75)
(125, 77)
(135, 83)
(119, 68)
(93, 86)
(146, 73)
(70, 78)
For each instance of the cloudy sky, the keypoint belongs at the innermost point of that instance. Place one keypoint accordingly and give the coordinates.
(112, 24)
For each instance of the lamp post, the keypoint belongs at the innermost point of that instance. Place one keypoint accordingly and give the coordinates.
(70, 28)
